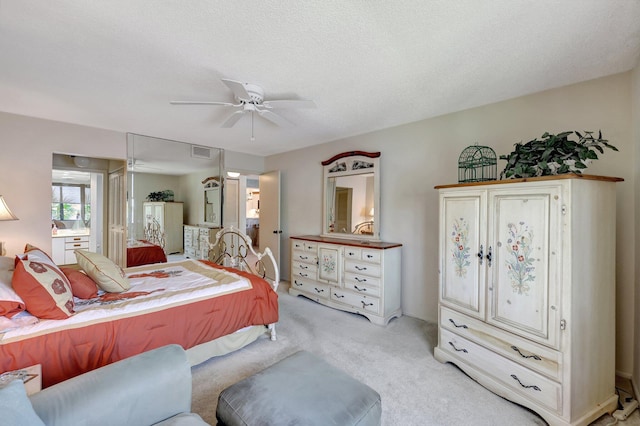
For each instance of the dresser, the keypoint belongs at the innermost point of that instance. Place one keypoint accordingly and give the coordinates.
(527, 291)
(362, 277)
(169, 217)
(197, 239)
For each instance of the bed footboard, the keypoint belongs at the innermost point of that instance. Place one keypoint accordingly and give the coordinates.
(234, 248)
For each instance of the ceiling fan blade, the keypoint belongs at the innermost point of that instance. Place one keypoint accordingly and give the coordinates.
(200, 103)
(289, 103)
(238, 88)
(274, 118)
(233, 119)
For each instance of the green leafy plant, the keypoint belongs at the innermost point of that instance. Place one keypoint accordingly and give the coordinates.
(554, 155)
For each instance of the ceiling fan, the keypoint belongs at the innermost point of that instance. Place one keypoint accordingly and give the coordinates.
(250, 99)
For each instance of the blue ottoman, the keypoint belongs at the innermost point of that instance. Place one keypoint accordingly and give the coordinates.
(302, 389)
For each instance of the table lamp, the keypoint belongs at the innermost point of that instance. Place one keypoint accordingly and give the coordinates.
(5, 214)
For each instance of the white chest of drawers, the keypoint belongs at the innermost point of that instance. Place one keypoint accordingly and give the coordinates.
(197, 239)
(350, 275)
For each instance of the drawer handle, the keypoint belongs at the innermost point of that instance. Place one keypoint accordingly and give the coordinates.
(364, 304)
(456, 325)
(480, 254)
(458, 350)
(302, 274)
(536, 357)
(76, 239)
(339, 296)
(304, 267)
(304, 257)
(359, 289)
(297, 283)
(360, 280)
(351, 253)
(361, 268)
(319, 290)
(369, 256)
(534, 387)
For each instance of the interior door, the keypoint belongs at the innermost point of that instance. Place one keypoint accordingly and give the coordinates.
(230, 204)
(269, 233)
(116, 218)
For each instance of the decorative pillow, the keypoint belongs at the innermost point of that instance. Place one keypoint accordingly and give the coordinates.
(15, 406)
(109, 276)
(31, 248)
(46, 291)
(82, 286)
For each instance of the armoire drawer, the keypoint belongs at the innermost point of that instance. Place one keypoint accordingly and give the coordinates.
(529, 354)
(521, 380)
(314, 289)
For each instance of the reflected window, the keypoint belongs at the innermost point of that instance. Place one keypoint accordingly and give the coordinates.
(70, 202)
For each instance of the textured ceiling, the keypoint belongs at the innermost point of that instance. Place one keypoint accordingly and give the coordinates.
(367, 64)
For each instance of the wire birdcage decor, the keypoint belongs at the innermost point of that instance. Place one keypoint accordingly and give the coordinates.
(477, 164)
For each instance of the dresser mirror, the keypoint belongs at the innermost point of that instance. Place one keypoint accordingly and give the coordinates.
(212, 202)
(352, 196)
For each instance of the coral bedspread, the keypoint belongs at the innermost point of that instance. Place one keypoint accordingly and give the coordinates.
(142, 252)
(171, 303)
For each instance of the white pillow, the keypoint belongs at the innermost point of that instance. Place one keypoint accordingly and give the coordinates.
(10, 302)
(6, 263)
(109, 276)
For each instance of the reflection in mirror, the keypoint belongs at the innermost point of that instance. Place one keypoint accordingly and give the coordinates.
(350, 205)
(172, 172)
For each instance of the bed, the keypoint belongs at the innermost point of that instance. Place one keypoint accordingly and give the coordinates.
(209, 307)
(148, 250)
(144, 252)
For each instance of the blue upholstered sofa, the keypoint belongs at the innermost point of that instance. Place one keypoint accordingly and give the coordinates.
(150, 388)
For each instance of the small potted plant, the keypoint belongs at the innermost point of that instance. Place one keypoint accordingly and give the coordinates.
(554, 155)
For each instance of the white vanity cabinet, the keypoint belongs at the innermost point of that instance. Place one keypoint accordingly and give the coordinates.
(527, 291)
(351, 275)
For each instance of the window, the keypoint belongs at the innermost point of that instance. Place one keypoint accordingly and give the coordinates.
(70, 202)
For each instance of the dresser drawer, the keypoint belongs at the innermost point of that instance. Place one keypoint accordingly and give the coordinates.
(307, 267)
(303, 273)
(369, 290)
(352, 253)
(311, 287)
(372, 256)
(305, 257)
(521, 380)
(190, 252)
(76, 245)
(362, 268)
(359, 279)
(531, 355)
(358, 301)
(310, 246)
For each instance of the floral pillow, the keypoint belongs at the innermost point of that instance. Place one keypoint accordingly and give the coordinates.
(43, 287)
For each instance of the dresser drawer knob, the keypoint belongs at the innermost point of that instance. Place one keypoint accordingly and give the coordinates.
(360, 280)
(458, 350)
(360, 268)
(302, 274)
(351, 253)
(304, 267)
(536, 357)
(304, 257)
(359, 289)
(297, 283)
(319, 290)
(534, 387)
(365, 304)
(456, 325)
(339, 296)
(369, 256)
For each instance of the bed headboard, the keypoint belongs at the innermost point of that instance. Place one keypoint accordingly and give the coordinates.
(234, 248)
(153, 233)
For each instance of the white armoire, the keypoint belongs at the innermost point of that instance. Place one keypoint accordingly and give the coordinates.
(170, 218)
(527, 291)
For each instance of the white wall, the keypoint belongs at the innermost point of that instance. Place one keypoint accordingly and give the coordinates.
(26, 159)
(417, 156)
(143, 184)
(635, 119)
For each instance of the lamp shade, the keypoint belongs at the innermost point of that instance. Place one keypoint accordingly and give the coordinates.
(5, 213)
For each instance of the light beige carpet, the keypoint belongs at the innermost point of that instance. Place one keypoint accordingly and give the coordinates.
(396, 360)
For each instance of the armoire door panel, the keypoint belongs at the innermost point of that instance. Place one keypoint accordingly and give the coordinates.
(523, 245)
(462, 247)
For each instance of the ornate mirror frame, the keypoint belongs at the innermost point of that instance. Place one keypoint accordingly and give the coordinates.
(352, 180)
(212, 192)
